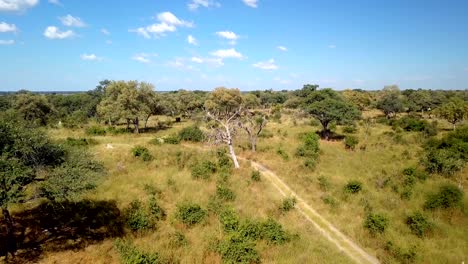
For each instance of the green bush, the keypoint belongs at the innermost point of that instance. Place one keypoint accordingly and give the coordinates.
(256, 176)
(142, 152)
(250, 229)
(96, 131)
(155, 210)
(403, 256)
(349, 129)
(310, 148)
(224, 193)
(190, 213)
(351, 142)
(192, 133)
(136, 217)
(119, 130)
(235, 249)
(418, 224)
(273, 232)
(353, 187)
(449, 196)
(130, 254)
(203, 170)
(288, 204)
(229, 219)
(224, 162)
(376, 223)
(172, 139)
(80, 141)
(412, 123)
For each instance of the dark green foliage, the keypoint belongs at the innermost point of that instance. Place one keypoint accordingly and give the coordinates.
(235, 249)
(80, 141)
(349, 129)
(142, 152)
(130, 254)
(449, 154)
(156, 211)
(449, 196)
(376, 223)
(403, 256)
(390, 104)
(224, 193)
(229, 219)
(353, 186)
(351, 142)
(419, 224)
(96, 131)
(192, 133)
(172, 139)
(250, 229)
(203, 170)
(224, 162)
(137, 217)
(190, 213)
(255, 176)
(288, 204)
(273, 232)
(309, 150)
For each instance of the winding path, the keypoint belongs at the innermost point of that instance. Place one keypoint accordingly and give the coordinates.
(328, 230)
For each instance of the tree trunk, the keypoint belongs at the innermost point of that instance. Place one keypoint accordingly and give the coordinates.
(136, 124)
(253, 143)
(146, 120)
(233, 156)
(11, 241)
(128, 123)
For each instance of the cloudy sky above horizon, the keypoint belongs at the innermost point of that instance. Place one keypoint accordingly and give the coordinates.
(60, 45)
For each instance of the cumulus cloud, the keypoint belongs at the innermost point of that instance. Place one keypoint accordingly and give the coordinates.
(52, 32)
(71, 21)
(143, 57)
(4, 27)
(168, 22)
(227, 53)
(195, 4)
(16, 5)
(192, 40)
(105, 32)
(55, 2)
(266, 65)
(251, 3)
(90, 57)
(228, 35)
(7, 42)
(215, 62)
(282, 48)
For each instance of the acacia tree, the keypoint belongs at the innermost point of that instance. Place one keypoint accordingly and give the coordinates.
(224, 107)
(390, 102)
(253, 123)
(454, 111)
(33, 108)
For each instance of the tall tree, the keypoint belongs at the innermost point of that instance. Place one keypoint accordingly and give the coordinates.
(33, 108)
(224, 107)
(253, 123)
(390, 102)
(454, 111)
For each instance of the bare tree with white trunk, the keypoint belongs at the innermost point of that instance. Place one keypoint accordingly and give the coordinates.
(253, 123)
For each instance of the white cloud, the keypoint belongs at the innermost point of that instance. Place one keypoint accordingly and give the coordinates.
(195, 4)
(143, 57)
(16, 5)
(332, 46)
(105, 32)
(168, 22)
(192, 40)
(251, 3)
(71, 21)
(227, 35)
(52, 32)
(7, 42)
(180, 64)
(197, 60)
(266, 65)
(4, 27)
(55, 2)
(282, 48)
(215, 62)
(90, 57)
(227, 53)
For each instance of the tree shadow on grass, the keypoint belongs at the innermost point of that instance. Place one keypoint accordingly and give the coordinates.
(54, 226)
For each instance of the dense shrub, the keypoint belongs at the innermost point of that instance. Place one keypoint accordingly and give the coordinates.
(250, 229)
(203, 170)
(229, 219)
(403, 256)
(255, 176)
(80, 141)
(190, 213)
(142, 152)
(119, 130)
(224, 193)
(349, 129)
(309, 150)
(192, 133)
(411, 123)
(96, 131)
(172, 139)
(418, 224)
(353, 186)
(351, 142)
(137, 217)
(449, 196)
(288, 204)
(224, 162)
(273, 232)
(130, 254)
(449, 154)
(376, 223)
(156, 211)
(235, 249)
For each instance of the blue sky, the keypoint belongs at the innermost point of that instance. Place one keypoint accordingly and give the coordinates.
(249, 44)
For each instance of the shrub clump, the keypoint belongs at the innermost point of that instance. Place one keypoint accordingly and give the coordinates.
(172, 139)
(130, 254)
(274, 233)
(224, 193)
(142, 152)
(353, 187)
(192, 133)
(309, 150)
(349, 129)
(376, 223)
(236, 249)
(229, 219)
(449, 196)
(203, 170)
(418, 224)
(288, 204)
(255, 176)
(190, 213)
(403, 256)
(137, 217)
(95, 131)
(80, 141)
(351, 142)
